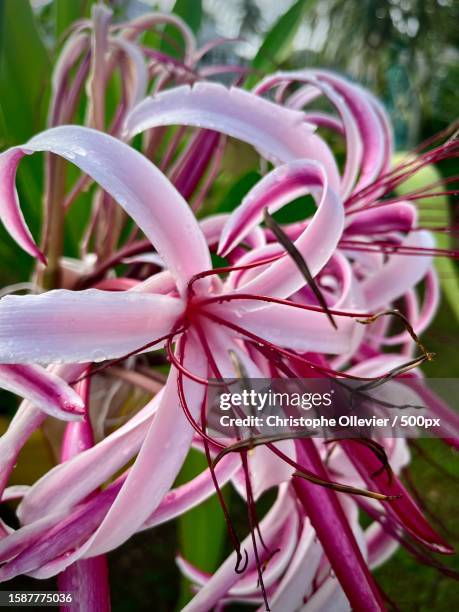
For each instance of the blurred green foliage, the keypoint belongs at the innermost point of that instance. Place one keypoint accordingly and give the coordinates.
(277, 44)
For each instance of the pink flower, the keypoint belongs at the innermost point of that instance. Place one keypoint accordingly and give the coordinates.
(263, 312)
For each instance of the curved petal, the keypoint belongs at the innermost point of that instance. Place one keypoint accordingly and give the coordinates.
(371, 120)
(279, 133)
(10, 211)
(75, 326)
(130, 178)
(299, 576)
(295, 328)
(43, 389)
(33, 547)
(136, 27)
(38, 548)
(88, 581)
(88, 470)
(187, 496)
(357, 107)
(400, 273)
(353, 138)
(27, 419)
(398, 217)
(88, 578)
(375, 153)
(316, 243)
(147, 481)
(225, 577)
(19, 540)
(151, 476)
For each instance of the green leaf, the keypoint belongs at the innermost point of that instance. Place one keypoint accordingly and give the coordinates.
(201, 530)
(25, 71)
(439, 208)
(238, 190)
(278, 41)
(191, 12)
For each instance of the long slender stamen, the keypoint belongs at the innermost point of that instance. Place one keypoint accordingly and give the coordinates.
(409, 328)
(449, 132)
(188, 373)
(229, 297)
(136, 351)
(387, 182)
(285, 352)
(300, 471)
(253, 524)
(252, 515)
(419, 195)
(241, 562)
(425, 189)
(227, 269)
(373, 381)
(403, 369)
(242, 373)
(389, 248)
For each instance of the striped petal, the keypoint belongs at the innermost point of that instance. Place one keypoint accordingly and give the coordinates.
(27, 419)
(148, 480)
(316, 243)
(87, 471)
(130, 178)
(400, 273)
(279, 133)
(43, 389)
(10, 211)
(76, 326)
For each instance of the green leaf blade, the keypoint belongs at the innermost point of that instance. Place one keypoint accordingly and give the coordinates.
(278, 41)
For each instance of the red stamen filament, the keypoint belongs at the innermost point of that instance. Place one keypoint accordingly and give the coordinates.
(229, 297)
(402, 172)
(389, 248)
(206, 439)
(278, 349)
(252, 516)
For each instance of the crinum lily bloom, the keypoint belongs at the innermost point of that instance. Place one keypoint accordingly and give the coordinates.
(66, 326)
(190, 305)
